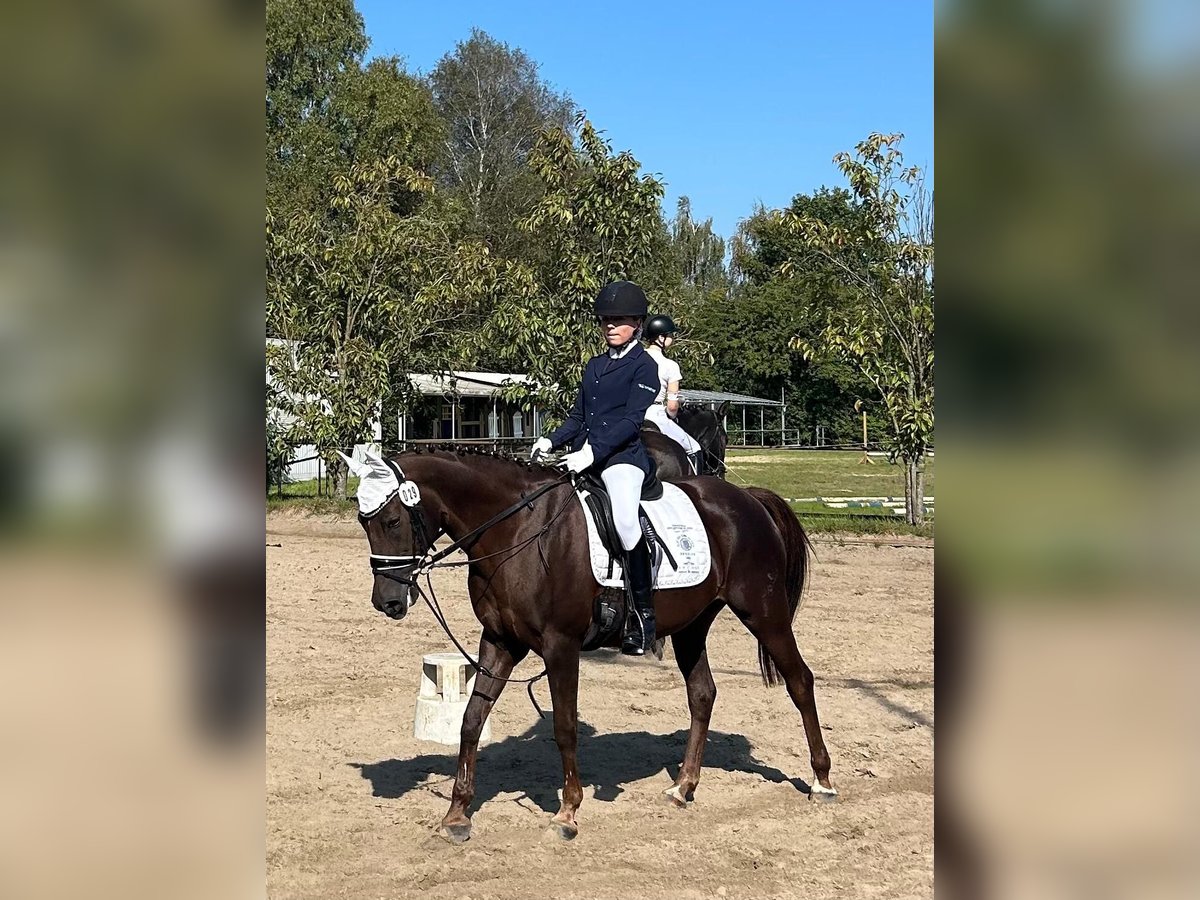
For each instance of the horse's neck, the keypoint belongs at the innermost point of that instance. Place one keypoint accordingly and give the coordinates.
(470, 495)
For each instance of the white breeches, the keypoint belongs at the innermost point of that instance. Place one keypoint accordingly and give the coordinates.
(658, 415)
(624, 484)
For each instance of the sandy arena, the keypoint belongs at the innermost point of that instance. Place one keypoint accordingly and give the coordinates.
(353, 799)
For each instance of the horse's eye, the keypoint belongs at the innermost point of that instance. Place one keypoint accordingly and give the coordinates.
(391, 523)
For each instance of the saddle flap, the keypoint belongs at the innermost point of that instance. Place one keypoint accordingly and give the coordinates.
(685, 560)
(601, 509)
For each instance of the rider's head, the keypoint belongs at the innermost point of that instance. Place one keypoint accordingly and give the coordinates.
(659, 330)
(621, 309)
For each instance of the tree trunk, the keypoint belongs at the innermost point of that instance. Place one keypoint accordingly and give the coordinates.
(914, 491)
(921, 489)
(908, 499)
(337, 474)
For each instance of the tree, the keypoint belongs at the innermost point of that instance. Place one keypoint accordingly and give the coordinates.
(740, 336)
(360, 293)
(598, 221)
(310, 44)
(494, 105)
(884, 257)
(699, 251)
(327, 112)
(766, 241)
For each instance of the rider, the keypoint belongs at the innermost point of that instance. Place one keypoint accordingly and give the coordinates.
(603, 431)
(659, 336)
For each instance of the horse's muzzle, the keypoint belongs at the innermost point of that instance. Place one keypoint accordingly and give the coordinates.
(395, 609)
(392, 606)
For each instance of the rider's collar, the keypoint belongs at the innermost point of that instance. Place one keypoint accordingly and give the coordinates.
(619, 352)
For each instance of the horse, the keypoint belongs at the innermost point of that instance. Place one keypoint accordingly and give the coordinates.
(702, 424)
(670, 459)
(705, 425)
(532, 589)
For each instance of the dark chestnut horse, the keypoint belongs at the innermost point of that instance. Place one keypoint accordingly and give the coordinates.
(670, 460)
(706, 426)
(531, 585)
(702, 424)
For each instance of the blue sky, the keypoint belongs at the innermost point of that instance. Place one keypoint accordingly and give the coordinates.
(732, 103)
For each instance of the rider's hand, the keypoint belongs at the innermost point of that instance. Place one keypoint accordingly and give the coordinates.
(542, 445)
(579, 460)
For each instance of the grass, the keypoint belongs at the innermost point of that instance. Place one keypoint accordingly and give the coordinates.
(790, 473)
(814, 473)
(302, 495)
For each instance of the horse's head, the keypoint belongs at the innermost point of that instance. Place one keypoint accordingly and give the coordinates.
(705, 426)
(401, 527)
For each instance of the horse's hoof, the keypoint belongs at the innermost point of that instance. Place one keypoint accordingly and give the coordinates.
(818, 794)
(456, 834)
(675, 796)
(567, 831)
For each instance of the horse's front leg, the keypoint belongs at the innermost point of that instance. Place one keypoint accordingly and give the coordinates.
(562, 667)
(456, 826)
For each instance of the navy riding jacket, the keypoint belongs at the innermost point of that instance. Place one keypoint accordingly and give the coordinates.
(610, 408)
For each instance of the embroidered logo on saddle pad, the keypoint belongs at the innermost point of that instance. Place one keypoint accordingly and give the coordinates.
(675, 519)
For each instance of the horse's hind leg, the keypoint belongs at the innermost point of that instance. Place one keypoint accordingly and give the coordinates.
(691, 654)
(456, 826)
(781, 645)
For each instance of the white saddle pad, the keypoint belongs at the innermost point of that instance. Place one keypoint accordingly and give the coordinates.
(675, 519)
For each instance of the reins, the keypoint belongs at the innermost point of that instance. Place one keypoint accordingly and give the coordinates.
(425, 566)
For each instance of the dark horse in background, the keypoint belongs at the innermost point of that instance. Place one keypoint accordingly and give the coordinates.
(531, 586)
(703, 424)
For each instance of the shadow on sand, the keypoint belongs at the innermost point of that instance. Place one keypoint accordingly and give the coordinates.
(530, 762)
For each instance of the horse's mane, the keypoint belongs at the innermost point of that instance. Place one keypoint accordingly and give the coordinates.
(475, 450)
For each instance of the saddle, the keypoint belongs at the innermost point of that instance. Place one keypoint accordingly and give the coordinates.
(608, 614)
(600, 504)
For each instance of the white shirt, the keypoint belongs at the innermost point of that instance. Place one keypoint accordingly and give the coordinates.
(618, 352)
(668, 371)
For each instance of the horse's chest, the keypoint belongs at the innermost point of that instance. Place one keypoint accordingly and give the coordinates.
(483, 600)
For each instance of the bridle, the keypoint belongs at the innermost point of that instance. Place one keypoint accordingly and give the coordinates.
(408, 569)
(705, 440)
(405, 569)
(718, 464)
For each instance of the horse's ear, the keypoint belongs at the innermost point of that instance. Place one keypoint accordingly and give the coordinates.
(355, 466)
(721, 410)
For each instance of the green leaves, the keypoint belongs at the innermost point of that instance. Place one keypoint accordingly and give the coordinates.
(883, 255)
(595, 222)
(494, 105)
(362, 292)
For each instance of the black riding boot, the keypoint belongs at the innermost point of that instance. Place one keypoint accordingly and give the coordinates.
(697, 461)
(639, 618)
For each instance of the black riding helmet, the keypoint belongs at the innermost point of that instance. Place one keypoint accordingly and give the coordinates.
(658, 326)
(621, 298)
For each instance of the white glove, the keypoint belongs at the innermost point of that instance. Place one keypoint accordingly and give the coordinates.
(542, 445)
(579, 460)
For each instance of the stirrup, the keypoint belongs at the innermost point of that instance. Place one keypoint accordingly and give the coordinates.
(633, 641)
(636, 641)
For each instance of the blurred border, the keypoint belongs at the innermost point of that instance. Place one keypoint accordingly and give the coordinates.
(1067, 136)
(131, 435)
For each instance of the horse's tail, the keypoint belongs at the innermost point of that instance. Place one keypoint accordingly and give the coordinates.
(798, 548)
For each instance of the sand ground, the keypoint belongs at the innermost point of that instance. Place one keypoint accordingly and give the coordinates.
(354, 799)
